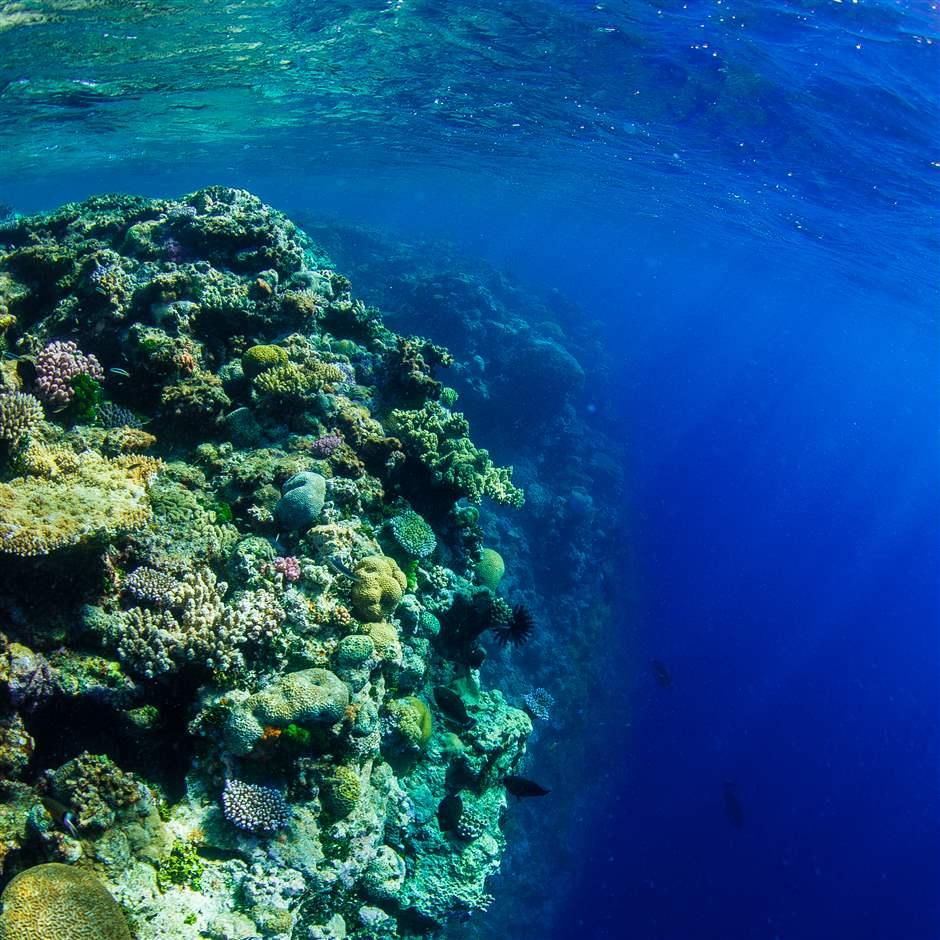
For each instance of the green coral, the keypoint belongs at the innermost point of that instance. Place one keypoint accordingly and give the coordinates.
(258, 359)
(439, 439)
(60, 901)
(413, 534)
(341, 791)
(379, 586)
(182, 867)
(490, 568)
(87, 396)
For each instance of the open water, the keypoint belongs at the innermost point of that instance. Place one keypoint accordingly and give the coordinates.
(741, 197)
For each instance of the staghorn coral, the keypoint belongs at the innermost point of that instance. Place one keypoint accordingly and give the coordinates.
(195, 626)
(99, 498)
(60, 901)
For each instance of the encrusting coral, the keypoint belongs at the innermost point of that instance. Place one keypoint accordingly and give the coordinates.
(98, 498)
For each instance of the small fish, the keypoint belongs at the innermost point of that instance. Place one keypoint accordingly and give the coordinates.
(521, 786)
(119, 371)
(733, 808)
(62, 815)
(663, 675)
(449, 811)
(451, 705)
(342, 568)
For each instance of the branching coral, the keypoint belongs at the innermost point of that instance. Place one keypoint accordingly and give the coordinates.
(195, 626)
(439, 439)
(19, 415)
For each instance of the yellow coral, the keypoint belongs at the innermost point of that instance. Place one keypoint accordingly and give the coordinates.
(99, 497)
(387, 645)
(62, 902)
(379, 587)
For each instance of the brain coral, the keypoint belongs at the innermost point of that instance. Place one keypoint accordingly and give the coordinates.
(62, 902)
(100, 497)
(490, 568)
(379, 588)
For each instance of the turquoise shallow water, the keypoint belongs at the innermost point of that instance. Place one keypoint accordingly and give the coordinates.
(725, 214)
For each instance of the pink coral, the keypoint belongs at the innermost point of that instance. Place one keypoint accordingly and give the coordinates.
(57, 365)
(289, 567)
(323, 447)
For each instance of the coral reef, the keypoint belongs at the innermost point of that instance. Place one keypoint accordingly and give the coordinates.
(259, 645)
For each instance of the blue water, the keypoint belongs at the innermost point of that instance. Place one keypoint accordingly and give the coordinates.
(745, 196)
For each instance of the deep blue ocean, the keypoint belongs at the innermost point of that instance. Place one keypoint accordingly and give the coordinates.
(744, 197)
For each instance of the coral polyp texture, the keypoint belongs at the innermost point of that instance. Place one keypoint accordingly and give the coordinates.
(60, 901)
(247, 616)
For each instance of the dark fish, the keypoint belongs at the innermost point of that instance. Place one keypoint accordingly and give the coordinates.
(451, 705)
(448, 812)
(521, 786)
(733, 808)
(62, 815)
(663, 675)
(342, 568)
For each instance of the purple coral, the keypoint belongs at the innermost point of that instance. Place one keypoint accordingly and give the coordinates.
(57, 365)
(324, 446)
(288, 566)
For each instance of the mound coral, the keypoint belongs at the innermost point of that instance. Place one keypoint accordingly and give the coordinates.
(379, 586)
(490, 568)
(341, 791)
(60, 901)
(258, 359)
(305, 698)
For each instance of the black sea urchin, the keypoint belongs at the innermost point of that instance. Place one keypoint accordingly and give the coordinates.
(519, 629)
